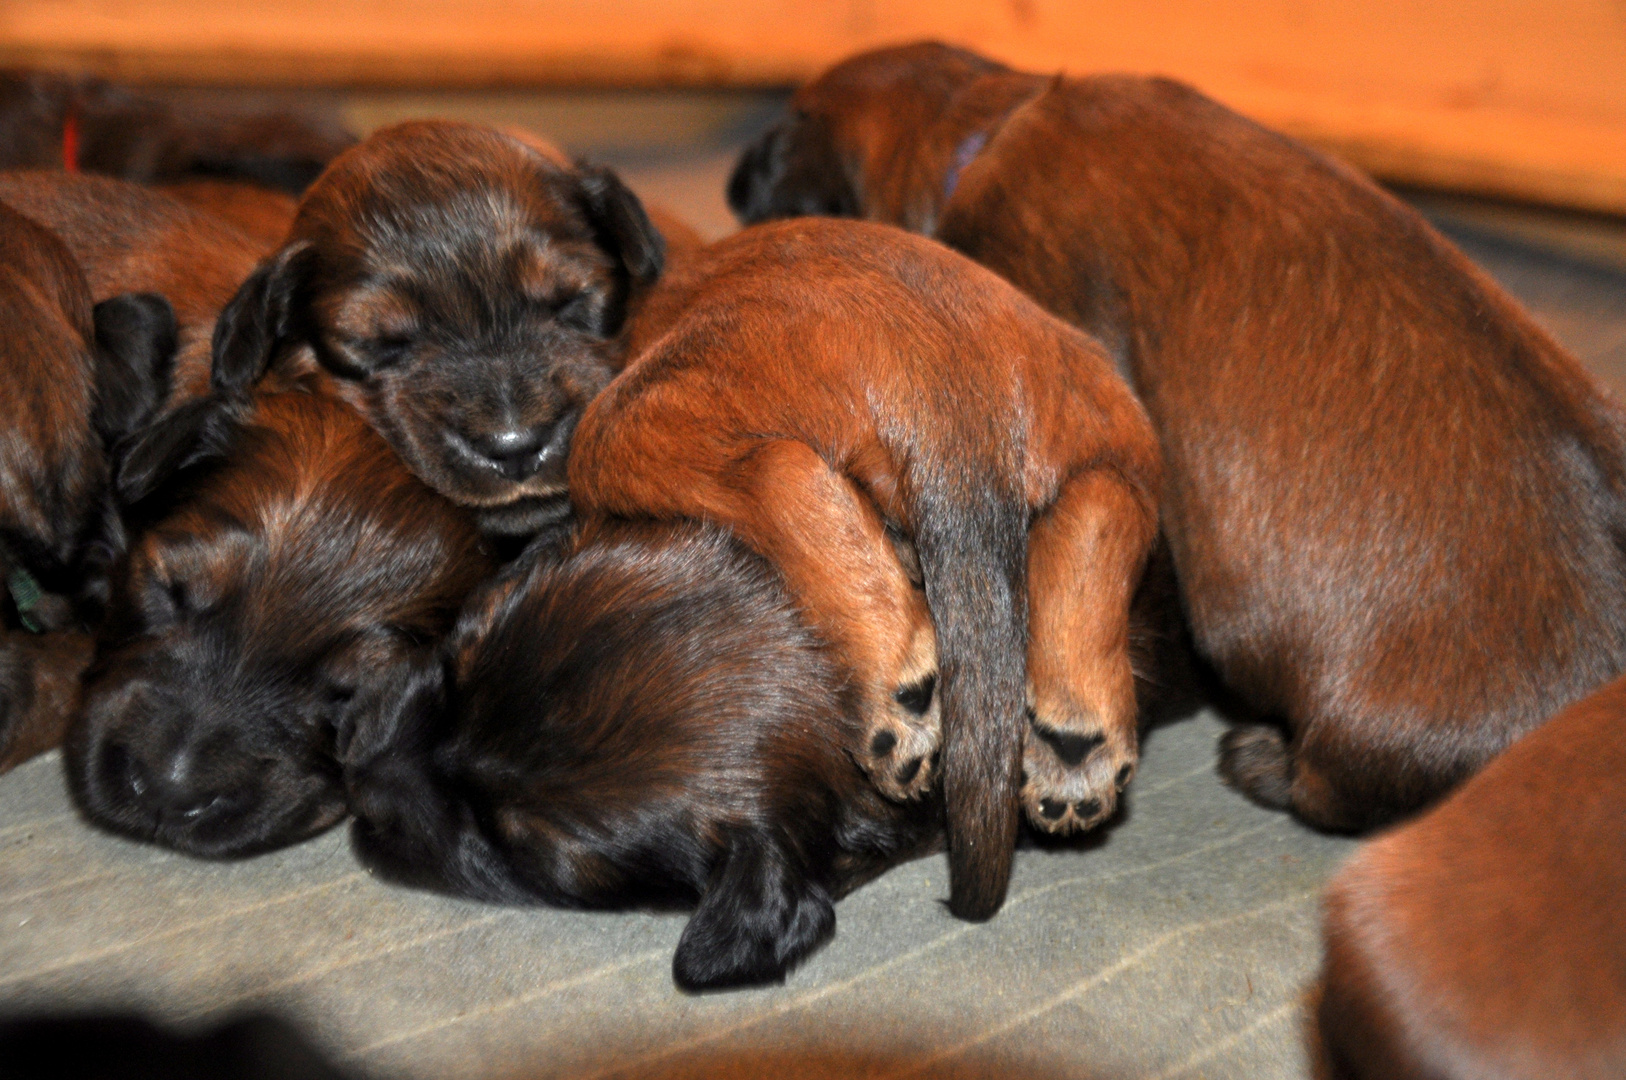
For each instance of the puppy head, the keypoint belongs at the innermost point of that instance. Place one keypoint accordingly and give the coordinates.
(639, 718)
(465, 292)
(74, 381)
(849, 133)
(284, 573)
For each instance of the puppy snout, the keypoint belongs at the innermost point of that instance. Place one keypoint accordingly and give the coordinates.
(181, 788)
(520, 453)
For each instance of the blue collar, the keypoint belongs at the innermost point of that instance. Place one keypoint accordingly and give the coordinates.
(964, 154)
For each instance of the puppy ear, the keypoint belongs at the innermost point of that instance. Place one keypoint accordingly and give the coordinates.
(195, 432)
(792, 170)
(135, 339)
(259, 319)
(759, 917)
(621, 226)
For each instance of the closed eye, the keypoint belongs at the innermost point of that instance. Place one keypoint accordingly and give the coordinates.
(390, 349)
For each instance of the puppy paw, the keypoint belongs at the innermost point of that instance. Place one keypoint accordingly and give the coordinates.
(900, 746)
(1073, 770)
(1255, 760)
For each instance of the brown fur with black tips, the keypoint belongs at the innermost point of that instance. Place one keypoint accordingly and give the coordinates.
(1396, 508)
(75, 379)
(285, 573)
(463, 291)
(837, 394)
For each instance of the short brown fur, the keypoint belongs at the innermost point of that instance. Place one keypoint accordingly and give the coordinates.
(821, 388)
(1485, 938)
(1395, 507)
(130, 238)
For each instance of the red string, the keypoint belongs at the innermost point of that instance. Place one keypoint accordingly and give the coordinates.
(70, 140)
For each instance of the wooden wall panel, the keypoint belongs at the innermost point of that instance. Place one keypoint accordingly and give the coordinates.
(1525, 98)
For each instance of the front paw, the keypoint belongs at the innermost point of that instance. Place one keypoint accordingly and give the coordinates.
(1073, 770)
(899, 752)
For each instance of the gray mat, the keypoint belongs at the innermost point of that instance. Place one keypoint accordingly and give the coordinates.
(1179, 946)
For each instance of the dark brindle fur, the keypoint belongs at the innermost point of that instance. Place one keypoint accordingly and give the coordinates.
(74, 380)
(639, 718)
(1485, 939)
(133, 239)
(285, 573)
(1394, 504)
(464, 292)
(827, 389)
(141, 138)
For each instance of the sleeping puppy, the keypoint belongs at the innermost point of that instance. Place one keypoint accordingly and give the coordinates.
(835, 393)
(464, 292)
(134, 239)
(74, 380)
(634, 714)
(1395, 507)
(1485, 938)
(52, 120)
(284, 573)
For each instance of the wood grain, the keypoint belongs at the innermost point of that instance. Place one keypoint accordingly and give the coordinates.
(1518, 98)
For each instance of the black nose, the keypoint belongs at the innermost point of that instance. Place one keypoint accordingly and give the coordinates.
(173, 787)
(517, 453)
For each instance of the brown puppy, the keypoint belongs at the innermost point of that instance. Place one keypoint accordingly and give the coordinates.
(50, 120)
(464, 292)
(1395, 507)
(261, 214)
(823, 389)
(1486, 939)
(285, 574)
(133, 239)
(635, 714)
(74, 380)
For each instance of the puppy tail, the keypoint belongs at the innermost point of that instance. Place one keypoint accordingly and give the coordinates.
(974, 562)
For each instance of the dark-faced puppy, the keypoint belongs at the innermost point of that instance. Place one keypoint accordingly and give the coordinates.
(133, 239)
(1485, 939)
(51, 120)
(1395, 507)
(285, 572)
(833, 393)
(639, 718)
(464, 291)
(74, 380)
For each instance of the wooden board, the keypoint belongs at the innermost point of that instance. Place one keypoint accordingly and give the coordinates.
(1519, 98)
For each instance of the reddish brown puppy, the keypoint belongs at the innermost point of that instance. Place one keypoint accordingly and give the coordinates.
(464, 292)
(1485, 939)
(130, 238)
(74, 380)
(1395, 507)
(824, 389)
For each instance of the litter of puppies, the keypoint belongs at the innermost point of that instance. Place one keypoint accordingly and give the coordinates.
(579, 563)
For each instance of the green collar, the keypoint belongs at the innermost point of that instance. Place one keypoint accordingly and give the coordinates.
(26, 594)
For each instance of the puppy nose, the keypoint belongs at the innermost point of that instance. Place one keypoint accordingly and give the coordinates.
(516, 452)
(170, 788)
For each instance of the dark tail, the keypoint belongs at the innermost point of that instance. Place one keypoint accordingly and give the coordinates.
(974, 561)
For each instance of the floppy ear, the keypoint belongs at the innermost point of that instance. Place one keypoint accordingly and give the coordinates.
(759, 917)
(260, 318)
(195, 432)
(135, 344)
(792, 170)
(620, 224)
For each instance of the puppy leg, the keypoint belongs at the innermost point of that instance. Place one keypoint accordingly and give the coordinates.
(833, 549)
(1085, 556)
